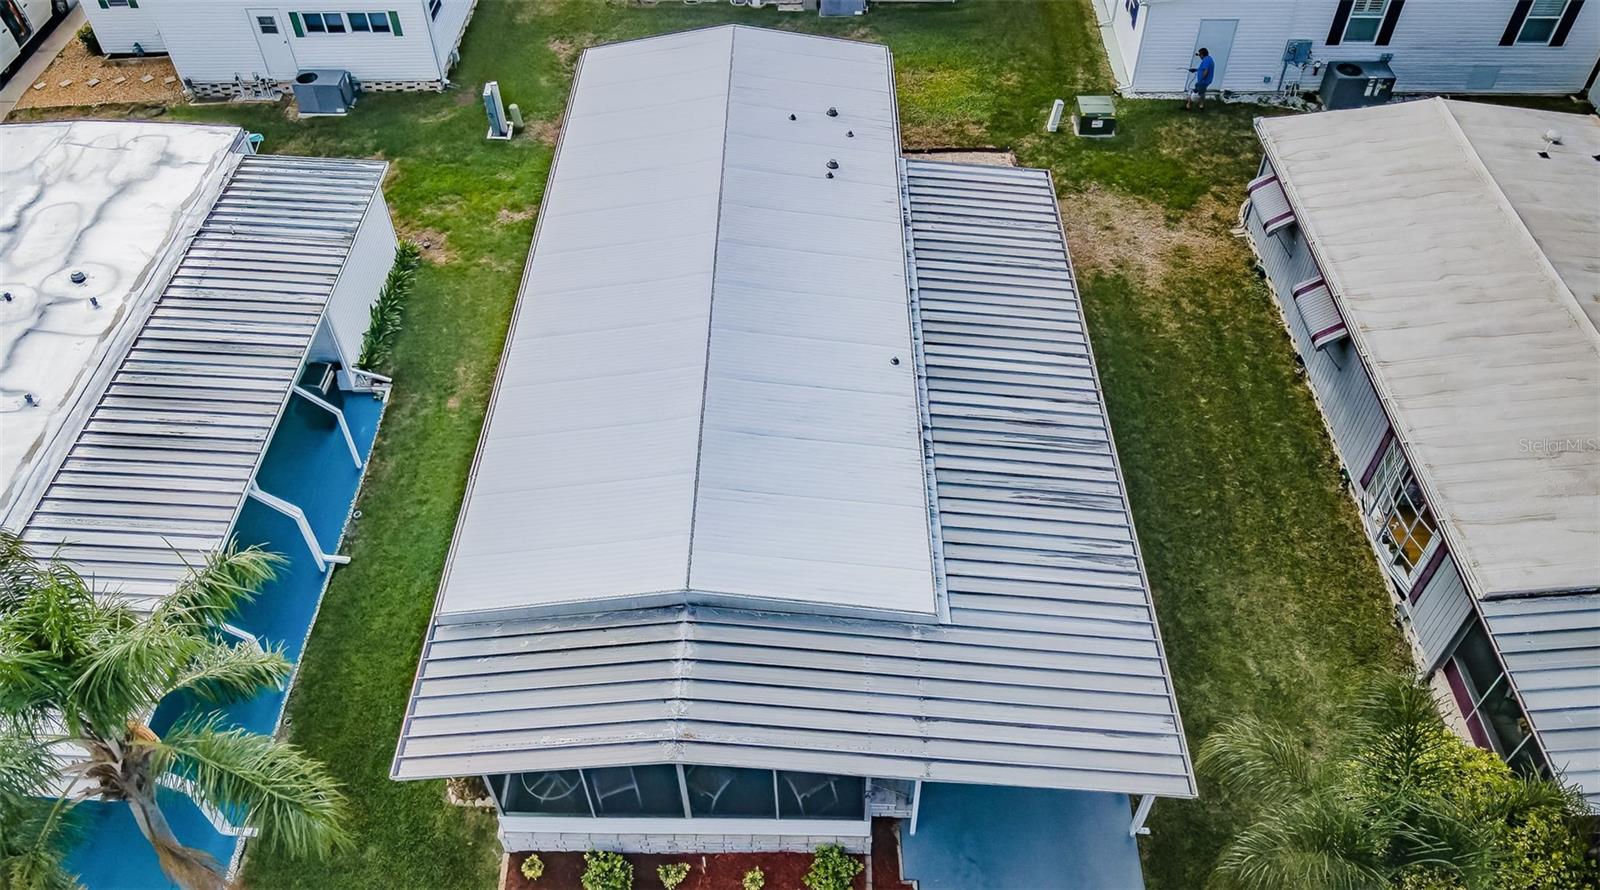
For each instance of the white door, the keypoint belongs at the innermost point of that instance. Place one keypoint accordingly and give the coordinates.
(272, 35)
(1216, 35)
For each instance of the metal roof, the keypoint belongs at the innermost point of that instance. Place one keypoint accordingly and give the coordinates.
(1465, 266)
(1551, 649)
(712, 325)
(158, 470)
(1048, 672)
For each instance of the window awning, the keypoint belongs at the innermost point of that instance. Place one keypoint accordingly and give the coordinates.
(1271, 203)
(1321, 316)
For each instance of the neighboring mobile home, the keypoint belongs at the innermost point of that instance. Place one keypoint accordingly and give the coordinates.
(225, 48)
(796, 490)
(1434, 46)
(179, 331)
(1438, 267)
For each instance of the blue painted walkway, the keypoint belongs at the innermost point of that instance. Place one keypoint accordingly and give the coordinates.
(309, 465)
(979, 837)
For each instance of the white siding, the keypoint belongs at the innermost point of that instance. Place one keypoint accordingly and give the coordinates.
(1336, 373)
(1439, 612)
(120, 27)
(1438, 46)
(1128, 33)
(211, 41)
(349, 309)
(448, 29)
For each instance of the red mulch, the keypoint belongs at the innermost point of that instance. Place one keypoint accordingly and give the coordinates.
(710, 871)
(886, 856)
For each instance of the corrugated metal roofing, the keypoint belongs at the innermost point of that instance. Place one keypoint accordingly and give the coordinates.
(712, 324)
(1551, 649)
(1464, 265)
(157, 473)
(1049, 672)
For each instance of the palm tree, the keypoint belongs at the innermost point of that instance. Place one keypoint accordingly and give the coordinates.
(82, 672)
(1387, 803)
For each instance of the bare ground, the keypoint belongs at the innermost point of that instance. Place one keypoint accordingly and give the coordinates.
(78, 65)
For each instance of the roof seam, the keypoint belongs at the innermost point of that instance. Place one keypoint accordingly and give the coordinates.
(711, 310)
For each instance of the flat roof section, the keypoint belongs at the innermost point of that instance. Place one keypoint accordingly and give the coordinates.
(708, 394)
(107, 199)
(1465, 265)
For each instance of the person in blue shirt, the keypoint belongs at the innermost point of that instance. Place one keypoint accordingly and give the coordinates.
(1203, 73)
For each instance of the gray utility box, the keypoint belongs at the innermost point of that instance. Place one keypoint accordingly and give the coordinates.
(324, 91)
(1097, 116)
(1356, 84)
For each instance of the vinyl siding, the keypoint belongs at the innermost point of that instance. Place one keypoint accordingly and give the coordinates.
(1439, 612)
(212, 41)
(1438, 46)
(1337, 376)
(349, 309)
(448, 28)
(1126, 32)
(120, 27)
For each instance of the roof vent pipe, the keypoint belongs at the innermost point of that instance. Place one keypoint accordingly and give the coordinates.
(78, 277)
(833, 164)
(791, 117)
(833, 112)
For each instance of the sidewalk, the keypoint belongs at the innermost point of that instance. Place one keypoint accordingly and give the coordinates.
(43, 54)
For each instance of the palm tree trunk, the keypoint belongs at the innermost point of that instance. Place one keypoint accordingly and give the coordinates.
(187, 867)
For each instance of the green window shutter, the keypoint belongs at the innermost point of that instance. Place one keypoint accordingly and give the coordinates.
(133, 4)
(104, 4)
(394, 23)
(294, 19)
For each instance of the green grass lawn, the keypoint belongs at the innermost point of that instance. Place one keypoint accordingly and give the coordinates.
(1268, 597)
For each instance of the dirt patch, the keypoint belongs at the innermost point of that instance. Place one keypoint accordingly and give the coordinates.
(512, 216)
(711, 871)
(434, 244)
(77, 65)
(942, 133)
(994, 157)
(567, 49)
(1110, 233)
(547, 132)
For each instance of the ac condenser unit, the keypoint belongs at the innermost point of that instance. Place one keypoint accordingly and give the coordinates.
(1357, 84)
(324, 91)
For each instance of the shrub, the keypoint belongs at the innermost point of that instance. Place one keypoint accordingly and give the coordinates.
(606, 871)
(754, 879)
(533, 867)
(832, 869)
(672, 875)
(90, 42)
(388, 312)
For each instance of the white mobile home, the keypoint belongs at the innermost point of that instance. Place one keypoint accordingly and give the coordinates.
(225, 48)
(797, 489)
(1437, 264)
(1434, 46)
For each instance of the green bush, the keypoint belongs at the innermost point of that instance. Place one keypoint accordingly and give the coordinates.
(533, 867)
(606, 871)
(754, 879)
(90, 42)
(377, 345)
(832, 869)
(672, 875)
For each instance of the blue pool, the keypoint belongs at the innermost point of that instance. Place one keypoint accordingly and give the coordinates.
(309, 465)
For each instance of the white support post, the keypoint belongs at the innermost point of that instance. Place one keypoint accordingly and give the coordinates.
(243, 636)
(1141, 813)
(299, 516)
(320, 402)
(916, 805)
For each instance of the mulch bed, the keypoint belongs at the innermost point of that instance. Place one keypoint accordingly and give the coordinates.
(886, 856)
(710, 871)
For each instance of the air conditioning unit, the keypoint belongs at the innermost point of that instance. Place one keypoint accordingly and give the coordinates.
(324, 91)
(1356, 84)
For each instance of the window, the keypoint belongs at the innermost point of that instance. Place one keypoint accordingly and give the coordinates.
(820, 796)
(1365, 18)
(358, 21)
(553, 793)
(635, 791)
(313, 22)
(726, 791)
(266, 24)
(433, 8)
(1540, 25)
(687, 792)
(1491, 707)
(1398, 515)
(334, 21)
(111, 3)
(379, 22)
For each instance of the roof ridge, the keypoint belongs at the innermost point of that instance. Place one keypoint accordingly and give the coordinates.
(711, 309)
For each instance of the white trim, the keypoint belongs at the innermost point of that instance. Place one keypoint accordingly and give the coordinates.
(338, 415)
(299, 516)
(1146, 801)
(916, 805)
(521, 823)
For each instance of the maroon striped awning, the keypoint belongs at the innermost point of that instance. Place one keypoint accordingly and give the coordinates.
(1319, 312)
(1272, 205)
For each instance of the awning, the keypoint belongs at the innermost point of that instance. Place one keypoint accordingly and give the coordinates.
(1321, 316)
(1271, 203)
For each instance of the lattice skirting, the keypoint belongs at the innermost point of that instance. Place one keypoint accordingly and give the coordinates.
(230, 90)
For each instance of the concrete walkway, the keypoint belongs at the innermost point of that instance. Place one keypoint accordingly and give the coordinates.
(43, 54)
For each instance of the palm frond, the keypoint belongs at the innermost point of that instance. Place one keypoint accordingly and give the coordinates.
(290, 797)
(128, 674)
(213, 592)
(1254, 759)
(1318, 842)
(221, 673)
